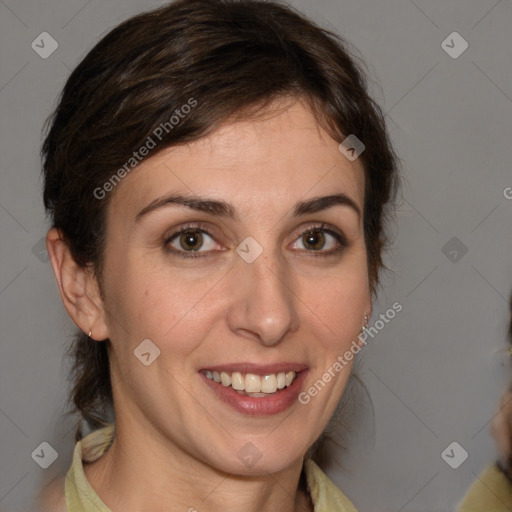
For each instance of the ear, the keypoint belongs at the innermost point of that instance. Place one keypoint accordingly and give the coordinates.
(78, 288)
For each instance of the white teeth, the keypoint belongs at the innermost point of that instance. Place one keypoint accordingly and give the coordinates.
(225, 379)
(269, 384)
(253, 384)
(237, 381)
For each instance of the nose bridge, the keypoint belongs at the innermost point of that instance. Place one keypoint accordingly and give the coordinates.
(264, 304)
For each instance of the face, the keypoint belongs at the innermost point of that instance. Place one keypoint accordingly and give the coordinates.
(241, 257)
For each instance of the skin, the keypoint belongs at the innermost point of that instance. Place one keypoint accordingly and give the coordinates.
(501, 426)
(176, 443)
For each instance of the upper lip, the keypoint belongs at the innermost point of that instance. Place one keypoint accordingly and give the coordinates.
(257, 369)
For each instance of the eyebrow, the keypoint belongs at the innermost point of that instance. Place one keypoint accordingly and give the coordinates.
(224, 209)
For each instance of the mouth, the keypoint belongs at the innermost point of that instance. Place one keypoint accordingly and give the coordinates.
(251, 384)
(254, 389)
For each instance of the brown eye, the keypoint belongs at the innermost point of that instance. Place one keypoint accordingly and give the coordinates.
(191, 240)
(313, 240)
(321, 240)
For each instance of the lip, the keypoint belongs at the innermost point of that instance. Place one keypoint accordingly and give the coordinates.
(257, 369)
(263, 406)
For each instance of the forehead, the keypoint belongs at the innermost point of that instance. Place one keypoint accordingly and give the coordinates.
(259, 163)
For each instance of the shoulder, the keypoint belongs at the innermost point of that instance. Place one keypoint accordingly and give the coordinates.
(324, 493)
(491, 492)
(53, 497)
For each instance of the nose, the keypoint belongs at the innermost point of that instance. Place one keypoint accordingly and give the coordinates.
(263, 304)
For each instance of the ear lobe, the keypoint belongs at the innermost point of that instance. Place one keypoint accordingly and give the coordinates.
(78, 287)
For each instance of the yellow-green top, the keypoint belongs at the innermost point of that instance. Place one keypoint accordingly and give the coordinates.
(81, 497)
(491, 492)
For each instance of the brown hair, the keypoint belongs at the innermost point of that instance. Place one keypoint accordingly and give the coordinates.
(231, 57)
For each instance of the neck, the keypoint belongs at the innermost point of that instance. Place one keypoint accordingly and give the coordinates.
(140, 472)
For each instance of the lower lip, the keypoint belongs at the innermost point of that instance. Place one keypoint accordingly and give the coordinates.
(264, 406)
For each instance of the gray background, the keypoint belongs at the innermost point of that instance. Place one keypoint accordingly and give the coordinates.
(435, 372)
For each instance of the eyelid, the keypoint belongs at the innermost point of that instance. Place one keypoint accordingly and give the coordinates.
(191, 226)
(200, 226)
(321, 226)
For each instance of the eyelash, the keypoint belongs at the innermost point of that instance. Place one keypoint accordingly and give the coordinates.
(204, 254)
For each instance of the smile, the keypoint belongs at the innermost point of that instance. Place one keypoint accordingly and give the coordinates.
(251, 384)
(254, 389)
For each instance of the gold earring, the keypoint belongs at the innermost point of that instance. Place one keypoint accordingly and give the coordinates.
(365, 325)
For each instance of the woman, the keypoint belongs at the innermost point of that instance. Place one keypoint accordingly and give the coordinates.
(217, 180)
(492, 490)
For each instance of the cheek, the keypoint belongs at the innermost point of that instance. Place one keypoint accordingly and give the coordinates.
(171, 310)
(338, 303)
